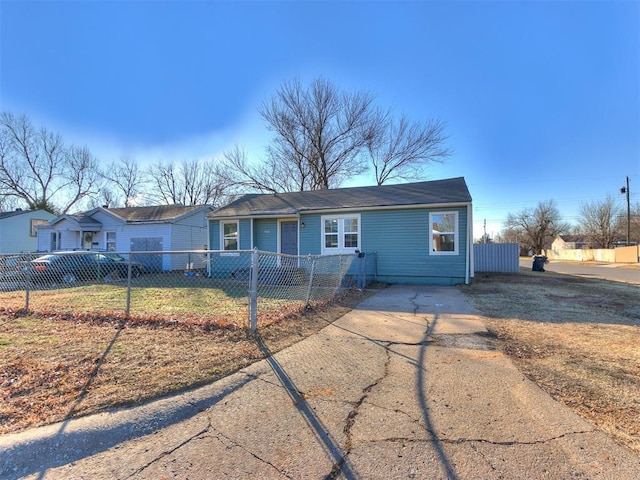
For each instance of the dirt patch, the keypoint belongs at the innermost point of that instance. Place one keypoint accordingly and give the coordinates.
(57, 367)
(575, 337)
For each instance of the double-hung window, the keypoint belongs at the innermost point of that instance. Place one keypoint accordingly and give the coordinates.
(444, 233)
(230, 235)
(340, 234)
(110, 241)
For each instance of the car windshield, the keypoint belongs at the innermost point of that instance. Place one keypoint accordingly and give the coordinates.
(46, 258)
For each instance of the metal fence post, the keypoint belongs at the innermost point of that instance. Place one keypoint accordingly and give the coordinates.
(128, 307)
(27, 286)
(310, 289)
(253, 289)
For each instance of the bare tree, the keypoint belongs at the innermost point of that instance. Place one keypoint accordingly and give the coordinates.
(81, 173)
(126, 177)
(601, 222)
(320, 133)
(193, 182)
(537, 228)
(401, 149)
(270, 177)
(37, 168)
(8, 203)
(323, 136)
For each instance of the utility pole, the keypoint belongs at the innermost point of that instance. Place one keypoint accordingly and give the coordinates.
(626, 190)
(485, 231)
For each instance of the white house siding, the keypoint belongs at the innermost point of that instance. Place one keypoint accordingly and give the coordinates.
(15, 232)
(69, 236)
(189, 233)
(43, 240)
(110, 223)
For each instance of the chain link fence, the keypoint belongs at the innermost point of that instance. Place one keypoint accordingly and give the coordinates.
(211, 288)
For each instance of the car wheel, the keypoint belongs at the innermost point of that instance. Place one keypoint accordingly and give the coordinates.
(69, 278)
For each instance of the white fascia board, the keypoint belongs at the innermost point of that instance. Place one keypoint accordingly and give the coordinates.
(388, 207)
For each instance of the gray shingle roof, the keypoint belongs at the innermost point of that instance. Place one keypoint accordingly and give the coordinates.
(15, 213)
(12, 214)
(161, 213)
(449, 191)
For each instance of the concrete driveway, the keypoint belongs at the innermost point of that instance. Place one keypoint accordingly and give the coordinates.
(408, 385)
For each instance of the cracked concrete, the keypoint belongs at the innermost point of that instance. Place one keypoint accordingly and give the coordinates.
(409, 385)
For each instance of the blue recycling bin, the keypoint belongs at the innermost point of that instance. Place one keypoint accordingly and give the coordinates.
(538, 263)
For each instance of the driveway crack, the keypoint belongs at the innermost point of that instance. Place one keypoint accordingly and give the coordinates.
(220, 436)
(195, 436)
(463, 440)
(353, 414)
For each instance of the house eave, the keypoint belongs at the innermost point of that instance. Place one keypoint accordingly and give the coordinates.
(386, 207)
(255, 215)
(311, 211)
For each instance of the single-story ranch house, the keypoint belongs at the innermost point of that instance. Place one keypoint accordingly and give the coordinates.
(135, 229)
(420, 232)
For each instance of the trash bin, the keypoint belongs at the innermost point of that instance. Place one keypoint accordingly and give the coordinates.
(538, 263)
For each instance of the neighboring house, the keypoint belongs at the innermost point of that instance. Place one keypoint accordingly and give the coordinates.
(421, 232)
(135, 229)
(570, 242)
(18, 230)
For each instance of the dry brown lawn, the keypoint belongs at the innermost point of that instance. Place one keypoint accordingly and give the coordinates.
(55, 367)
(578, 338)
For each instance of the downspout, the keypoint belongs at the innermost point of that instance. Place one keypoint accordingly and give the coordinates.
(469, 259)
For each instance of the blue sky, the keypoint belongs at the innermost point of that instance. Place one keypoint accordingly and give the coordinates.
(542, 99)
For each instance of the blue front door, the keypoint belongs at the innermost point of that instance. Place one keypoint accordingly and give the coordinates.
(289, 238)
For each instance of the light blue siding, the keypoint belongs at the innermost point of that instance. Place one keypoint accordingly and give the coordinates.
(399, 238)
(310, 235)
(401, 242)
(214, 234)
(245, 235)
(265, 234)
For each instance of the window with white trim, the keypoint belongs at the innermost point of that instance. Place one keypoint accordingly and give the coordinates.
(340, 234)
(110, 241)
(443, 228)
(230, 235)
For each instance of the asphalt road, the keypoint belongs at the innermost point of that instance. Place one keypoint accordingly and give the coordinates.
(608, 271)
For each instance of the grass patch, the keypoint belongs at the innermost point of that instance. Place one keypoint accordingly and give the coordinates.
(576, 337)
(59, 366)
(163, 297)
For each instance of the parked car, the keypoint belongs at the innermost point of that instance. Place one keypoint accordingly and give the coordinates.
(13, 263)
(137, 268)
(71, 267)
